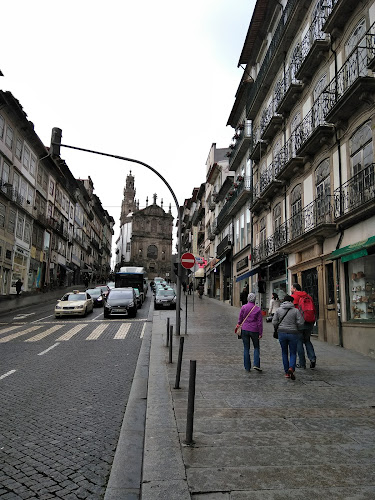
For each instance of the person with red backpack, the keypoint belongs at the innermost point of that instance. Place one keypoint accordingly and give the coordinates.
(304, 302)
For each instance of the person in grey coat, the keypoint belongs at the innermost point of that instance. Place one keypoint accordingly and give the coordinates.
(290, 321)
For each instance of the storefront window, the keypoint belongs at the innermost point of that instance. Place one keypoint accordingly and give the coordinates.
(361, 277)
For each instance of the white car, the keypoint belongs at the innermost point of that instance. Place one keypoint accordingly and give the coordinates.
(74, 303)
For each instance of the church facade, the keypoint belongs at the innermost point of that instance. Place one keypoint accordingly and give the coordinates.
(145, 235)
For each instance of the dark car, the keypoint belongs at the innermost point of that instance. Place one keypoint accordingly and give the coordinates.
(165, 298)
(104, 289)
(97, 296)
(120, 302)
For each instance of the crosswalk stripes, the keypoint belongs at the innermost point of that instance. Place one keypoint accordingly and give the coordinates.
(122, 331)
(42, 335)
(18, 334)
(73, 331)
(9, 329)
(95, 334)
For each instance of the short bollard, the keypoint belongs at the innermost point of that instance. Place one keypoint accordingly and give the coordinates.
(186, 311)
(191, 401)
(170, 342)
(179, 363)
(167, 332)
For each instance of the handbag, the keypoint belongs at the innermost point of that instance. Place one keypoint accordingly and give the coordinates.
(276, 327)
(238, 328)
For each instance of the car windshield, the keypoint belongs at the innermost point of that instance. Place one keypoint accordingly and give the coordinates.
(117, 294)
(94, 292)
(136, 292)
(164, 293)
(74, 296)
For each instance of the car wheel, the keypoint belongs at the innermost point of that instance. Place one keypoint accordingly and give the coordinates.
(85, 313)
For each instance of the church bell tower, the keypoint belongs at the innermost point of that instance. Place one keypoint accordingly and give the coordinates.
(128, 203)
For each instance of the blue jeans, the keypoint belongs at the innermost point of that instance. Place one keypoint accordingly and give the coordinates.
(254, 336)
(304, 339)
(288, 343)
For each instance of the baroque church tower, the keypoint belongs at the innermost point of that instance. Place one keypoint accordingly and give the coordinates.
(128, 203)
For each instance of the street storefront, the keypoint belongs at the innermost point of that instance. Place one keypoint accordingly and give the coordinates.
(356, 265)
(21, 258)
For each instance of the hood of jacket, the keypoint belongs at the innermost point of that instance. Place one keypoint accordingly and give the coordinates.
(287, 305)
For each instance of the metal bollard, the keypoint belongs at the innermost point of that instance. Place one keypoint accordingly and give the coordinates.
(191, 401)
(167, 332)
(179, 363)
(170, 342)
(186, 309)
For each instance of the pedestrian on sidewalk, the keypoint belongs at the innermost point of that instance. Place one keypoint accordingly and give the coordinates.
(289, 321)
(200, 290)
(18, 286)
(190, 287)
(243, 296)
(303, 300)
(252, 328)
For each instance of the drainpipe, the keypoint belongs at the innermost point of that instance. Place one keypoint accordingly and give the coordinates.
(341, 341)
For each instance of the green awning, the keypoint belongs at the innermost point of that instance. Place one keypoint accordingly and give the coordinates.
(354, 251)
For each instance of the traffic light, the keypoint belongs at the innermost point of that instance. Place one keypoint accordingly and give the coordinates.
(55, 142)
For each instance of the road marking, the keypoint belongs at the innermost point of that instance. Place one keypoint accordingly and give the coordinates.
(122, 331)
(22, 316)
(9, 329)
(44, 334)
(73, 331)
(52, 347)
(95, 334)
(19, 334)
(7, 374)
(101, 314)
(143, 331)
(41, 319)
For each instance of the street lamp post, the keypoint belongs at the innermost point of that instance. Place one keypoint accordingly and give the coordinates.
(55, 150)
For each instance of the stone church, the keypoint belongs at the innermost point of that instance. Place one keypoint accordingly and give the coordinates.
(145, 235)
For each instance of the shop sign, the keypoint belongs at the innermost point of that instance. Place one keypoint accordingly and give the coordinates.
(241, 264)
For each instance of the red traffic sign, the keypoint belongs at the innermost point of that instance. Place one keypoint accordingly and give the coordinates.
(187, 260)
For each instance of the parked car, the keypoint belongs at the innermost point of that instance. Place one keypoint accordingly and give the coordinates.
(74, 303)
(120, 302)
(138, 298)
(104, 289)
(165, 298)
(111, 284)
(97, 296)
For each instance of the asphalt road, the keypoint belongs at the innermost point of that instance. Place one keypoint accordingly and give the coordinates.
(64, 386)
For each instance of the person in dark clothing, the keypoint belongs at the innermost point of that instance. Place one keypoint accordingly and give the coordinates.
(18, 286)
(243, 296)
(200, 290)
(190, 287)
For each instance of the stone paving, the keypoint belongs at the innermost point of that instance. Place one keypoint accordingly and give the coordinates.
(257, 435)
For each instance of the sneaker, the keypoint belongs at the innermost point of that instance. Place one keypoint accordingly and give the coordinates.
(287, 375)
(257, 368)
(301, 366)
(291, 374)
(312, 364)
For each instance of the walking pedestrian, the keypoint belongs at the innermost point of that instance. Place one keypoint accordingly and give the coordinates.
(252, 328)
(184, 286)
(289, 320)
(200, 290)
(18, 286)
(190, 287)
(304, 302)
(243, 296)
(274, 304)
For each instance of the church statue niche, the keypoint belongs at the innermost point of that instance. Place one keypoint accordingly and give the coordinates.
(152, 252)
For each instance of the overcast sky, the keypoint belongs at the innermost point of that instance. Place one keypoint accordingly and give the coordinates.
(150, 80)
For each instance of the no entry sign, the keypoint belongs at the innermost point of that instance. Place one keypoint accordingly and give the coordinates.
(187, 260)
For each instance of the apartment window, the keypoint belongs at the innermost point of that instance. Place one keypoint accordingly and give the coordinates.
(30, 196)
(27, 233)
(19, 148)
(323, 189)
(2, 215)
(242, 231)
(355, 37)
(11, 222)
(16, 182)
(23, 189)
(9, 137)
(296, 209)
(361, 159)
(2, 126)
(26, 157)
(294, 65)
(276, 217)
(32, 165)
(19, 227)
(294, 132)
(128, 246)
(237, 235)
(5, 173)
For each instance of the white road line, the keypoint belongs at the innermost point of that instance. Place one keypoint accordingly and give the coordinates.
(19, 334)
(95, 334)
(7, 374)
(73, 331)
(42, 335)
(9, 329)
(143, 331)
(52, 347)
(98, 316)
(41, 319)
(122, 331)
(23, 316)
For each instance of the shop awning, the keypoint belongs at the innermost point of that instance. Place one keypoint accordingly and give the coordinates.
(220, 262)
(354, 251)
(248, 274)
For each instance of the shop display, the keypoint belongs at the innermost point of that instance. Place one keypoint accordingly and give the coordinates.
(363, 296)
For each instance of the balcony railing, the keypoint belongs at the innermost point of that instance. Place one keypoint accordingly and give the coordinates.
(270, 120)
(314, 42)
(236, 196)
(356, 192)
(243, 142)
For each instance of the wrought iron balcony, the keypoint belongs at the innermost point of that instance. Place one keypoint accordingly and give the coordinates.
(313, 131)
(237, 197)
(288, 91)
(357, 195)
(198, 216)
(210, 202)
(336, 14)
(270, 121)
(291, 17)
(210, 233)
(351, 85)
(313, 48)
(370, 44)
(223, 246)
(268, 247)
(258, 145)
(243, 143)
(287, 162)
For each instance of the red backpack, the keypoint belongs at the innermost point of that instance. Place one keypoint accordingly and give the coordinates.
(307, 309)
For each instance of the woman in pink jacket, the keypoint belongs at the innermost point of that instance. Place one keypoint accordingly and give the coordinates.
(252, 328)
